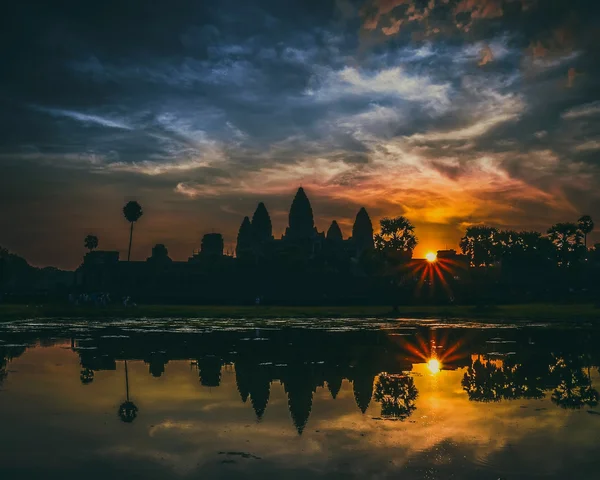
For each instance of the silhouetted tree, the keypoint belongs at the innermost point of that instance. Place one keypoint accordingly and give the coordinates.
(567, 240)
(396, 235)
(262, 229)
(586, 225)
(86, 376)
(334, 233)
(127, 410)
(245, 240)
(132, 211)
(362, 231)
(524, 250)
(480, 244)
(397, 395)
(91, 242)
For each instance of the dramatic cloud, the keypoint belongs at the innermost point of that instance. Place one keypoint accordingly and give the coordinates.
(452, 112)
(587, 110)
(393, 82)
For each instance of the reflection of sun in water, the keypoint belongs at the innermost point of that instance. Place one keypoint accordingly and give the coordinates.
(434, 365)
(430, 257)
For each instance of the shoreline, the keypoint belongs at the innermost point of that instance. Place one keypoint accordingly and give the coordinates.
(522, 312)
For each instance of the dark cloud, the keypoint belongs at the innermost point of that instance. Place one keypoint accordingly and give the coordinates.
(450, 111)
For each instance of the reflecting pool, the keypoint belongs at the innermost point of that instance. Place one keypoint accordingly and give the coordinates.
(305, 399)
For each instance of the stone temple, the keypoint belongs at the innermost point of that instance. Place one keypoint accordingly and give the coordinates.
(255, 238)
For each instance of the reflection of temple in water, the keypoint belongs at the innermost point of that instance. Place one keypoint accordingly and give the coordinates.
(496, 367)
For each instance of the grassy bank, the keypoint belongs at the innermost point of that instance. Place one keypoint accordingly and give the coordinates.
(532, 312)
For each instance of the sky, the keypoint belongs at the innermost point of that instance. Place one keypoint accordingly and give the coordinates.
(450, 112)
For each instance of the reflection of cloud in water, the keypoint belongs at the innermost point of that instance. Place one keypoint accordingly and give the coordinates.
(181, 425)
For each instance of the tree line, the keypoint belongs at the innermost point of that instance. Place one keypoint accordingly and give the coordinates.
(564, 243)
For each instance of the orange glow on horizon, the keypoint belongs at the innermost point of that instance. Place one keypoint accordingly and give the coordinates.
(434, 366)
(430, 257)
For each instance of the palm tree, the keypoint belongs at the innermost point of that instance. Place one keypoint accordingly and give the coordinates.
(132, 212)
(396, 235)
(586, 225)
(91, 242)
(127, 410)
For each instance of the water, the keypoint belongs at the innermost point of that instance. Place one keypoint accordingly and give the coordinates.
(317, 399)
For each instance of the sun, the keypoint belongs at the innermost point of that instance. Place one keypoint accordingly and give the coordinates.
(431, 257)
(434, 365)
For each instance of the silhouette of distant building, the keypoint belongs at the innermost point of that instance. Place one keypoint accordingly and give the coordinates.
(334, 234)
(212, 245)
(262, 229)
(301, 232)
(245, 240)
(362, 232)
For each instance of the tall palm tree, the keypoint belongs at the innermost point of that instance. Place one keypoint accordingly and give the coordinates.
(586, 225)
(91, 242)
(132, 212)
(127, 410)
(396, 234)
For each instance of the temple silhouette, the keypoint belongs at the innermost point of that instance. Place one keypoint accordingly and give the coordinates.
(303, 266)
(306, 266)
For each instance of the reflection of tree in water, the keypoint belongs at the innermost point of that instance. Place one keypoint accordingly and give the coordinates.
(86, 376)
(127, 410)
(6, 355)
(481, 382)
(397, 394)
(525, 380)
(485, 381)
(3, 372)
(572, 387)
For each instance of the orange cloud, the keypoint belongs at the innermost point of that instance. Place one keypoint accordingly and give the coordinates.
(377, 11)
(487, 56)
(480, 8)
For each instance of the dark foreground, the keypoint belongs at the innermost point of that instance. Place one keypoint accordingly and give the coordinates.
(317, 399)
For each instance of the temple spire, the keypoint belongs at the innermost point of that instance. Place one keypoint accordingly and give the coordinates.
(261, 224)
(301, 220)
(334, 234)
(362, 231)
